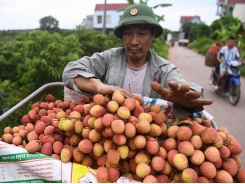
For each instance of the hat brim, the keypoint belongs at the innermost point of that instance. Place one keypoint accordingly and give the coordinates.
(142, 20)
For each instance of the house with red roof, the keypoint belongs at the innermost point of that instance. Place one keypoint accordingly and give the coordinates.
(192, 19)
(183, 37)
(113, 16)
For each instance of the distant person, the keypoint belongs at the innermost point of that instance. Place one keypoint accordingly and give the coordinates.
(214, 48)
(172, 41)
(227, 52)
(136, 65)
(211, 56)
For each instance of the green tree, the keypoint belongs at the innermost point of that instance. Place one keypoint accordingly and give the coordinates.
(93, 41)
(49, 23)
(224, 32)
(193, 33)
(7, 61)
(160, 46)
(39, 57)
(203, 30)
(196, 30)
(190, 30)
(2, 102)
(186, 27)
(34, 61)
(224, 22)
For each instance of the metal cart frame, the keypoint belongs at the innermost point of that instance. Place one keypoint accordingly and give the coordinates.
(203, 114)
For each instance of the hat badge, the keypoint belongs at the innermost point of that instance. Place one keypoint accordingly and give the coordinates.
(134, 11)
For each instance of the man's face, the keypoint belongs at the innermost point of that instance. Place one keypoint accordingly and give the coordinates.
(231, 43)
(137, 40)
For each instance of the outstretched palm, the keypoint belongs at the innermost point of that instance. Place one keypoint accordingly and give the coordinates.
(180, 94)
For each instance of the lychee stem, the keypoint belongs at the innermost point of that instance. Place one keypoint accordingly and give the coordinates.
(130, 92)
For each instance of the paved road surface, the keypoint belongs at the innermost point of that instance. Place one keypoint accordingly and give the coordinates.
(192, 67)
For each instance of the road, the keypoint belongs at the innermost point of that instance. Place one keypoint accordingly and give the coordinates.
(192, 67)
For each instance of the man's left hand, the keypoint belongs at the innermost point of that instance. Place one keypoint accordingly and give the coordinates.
(180, 94)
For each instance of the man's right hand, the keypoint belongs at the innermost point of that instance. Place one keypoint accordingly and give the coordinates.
(95, 86)
(109, 90)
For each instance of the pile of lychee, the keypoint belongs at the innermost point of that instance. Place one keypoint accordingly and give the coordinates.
(118, 136)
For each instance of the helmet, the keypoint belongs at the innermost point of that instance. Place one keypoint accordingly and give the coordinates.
(138, 14)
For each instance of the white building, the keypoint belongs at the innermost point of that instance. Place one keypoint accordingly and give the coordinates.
(239, 12)
(113, 16)
(236, 8)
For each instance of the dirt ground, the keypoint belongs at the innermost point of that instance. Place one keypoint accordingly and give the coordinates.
(192, 67)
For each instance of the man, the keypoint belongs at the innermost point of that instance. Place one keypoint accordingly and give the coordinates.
(214, 48)
(227, 52)
(134, 68)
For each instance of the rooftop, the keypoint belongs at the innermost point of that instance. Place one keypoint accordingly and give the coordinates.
(188, 18)
(232, 1)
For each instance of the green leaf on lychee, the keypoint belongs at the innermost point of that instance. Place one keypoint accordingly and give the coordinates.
(185, 124)
(167, 123)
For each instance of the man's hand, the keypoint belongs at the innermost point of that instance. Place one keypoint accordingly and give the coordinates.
(243, 62)
(180, 94)
(109, 90)
(95, 86)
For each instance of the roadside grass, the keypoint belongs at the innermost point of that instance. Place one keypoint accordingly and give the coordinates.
(201, 45)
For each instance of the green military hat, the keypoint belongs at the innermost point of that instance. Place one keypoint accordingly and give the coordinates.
(138, 14)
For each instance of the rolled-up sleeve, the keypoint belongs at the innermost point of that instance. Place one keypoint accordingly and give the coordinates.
(88, 67)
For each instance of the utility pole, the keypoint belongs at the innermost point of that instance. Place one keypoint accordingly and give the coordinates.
(104, 21)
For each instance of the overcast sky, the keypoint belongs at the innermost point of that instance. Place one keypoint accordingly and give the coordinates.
(25, 14)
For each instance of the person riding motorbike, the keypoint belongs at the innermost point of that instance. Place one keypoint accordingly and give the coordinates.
(172, 42)
(227, 52)
(135, 65)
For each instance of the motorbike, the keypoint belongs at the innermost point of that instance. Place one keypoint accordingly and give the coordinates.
(230, 83)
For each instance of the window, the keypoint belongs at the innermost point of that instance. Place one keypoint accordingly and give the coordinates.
(99, 19)
(108, 19)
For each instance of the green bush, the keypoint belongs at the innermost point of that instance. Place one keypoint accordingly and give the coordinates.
(242, 70)
(201, 45)
(2, 102)
(160, 46)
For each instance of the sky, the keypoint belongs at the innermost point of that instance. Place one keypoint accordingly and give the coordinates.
(25, 14)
